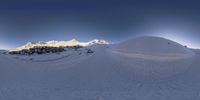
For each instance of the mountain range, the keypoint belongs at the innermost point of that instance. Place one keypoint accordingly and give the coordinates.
(54, 43)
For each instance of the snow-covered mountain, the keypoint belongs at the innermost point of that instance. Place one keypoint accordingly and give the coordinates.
(54, 43)
(143, 68)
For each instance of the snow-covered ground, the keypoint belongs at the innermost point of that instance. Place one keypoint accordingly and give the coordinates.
(146, 68)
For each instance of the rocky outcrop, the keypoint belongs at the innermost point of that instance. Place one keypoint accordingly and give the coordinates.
(43, 50)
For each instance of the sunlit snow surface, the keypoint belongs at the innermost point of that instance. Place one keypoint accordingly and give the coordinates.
(137, 69)
(54, 43)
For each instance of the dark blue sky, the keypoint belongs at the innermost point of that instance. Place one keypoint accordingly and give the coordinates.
(22, 21)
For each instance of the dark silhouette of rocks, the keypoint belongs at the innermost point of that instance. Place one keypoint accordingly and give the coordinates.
(44, 50)
(88, 51)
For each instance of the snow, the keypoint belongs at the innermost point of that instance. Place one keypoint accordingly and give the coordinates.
(125, 71)
(152, 45)
(152, 48)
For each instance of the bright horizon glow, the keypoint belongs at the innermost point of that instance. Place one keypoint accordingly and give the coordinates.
(179, 39)
(4, 46)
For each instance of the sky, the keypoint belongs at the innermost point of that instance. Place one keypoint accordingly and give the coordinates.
(23, 21)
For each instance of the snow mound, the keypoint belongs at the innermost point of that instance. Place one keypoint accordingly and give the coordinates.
(154, 48)
(153, 56)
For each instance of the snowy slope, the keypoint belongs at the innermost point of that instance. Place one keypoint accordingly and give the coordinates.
(112, 72)
(152, 45)
(156, 57)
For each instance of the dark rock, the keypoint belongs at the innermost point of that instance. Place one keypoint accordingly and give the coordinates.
(88, 51)
(43, 50)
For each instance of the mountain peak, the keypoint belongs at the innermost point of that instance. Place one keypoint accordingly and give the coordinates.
(97, 41)
(74, 40)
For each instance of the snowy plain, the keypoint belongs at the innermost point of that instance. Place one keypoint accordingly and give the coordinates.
(144, 68)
